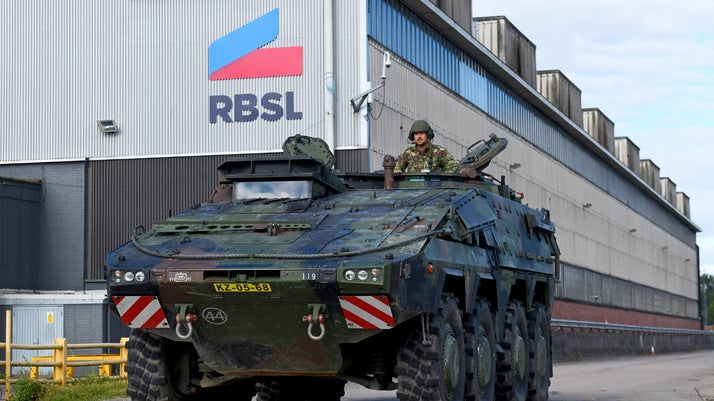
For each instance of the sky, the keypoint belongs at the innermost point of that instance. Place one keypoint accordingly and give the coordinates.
(649, 67)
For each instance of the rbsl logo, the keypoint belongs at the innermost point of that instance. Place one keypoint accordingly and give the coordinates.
(240, 54)
(244, 107)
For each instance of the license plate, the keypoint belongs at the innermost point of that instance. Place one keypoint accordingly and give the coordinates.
(242, 287)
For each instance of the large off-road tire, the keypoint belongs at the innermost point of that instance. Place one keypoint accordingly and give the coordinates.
(436, 370)
(480, 341)
(513, 364)
(539, 340)
(303, 389)
(154, 372)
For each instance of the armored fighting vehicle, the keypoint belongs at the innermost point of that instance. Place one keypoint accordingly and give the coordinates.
(293, 279)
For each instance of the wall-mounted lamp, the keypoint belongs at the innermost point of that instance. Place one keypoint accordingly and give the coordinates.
(687, 260)
(664, 248)
(587, 205)
(107, 126)
(514, 166)
(632, 230)
(596, 297)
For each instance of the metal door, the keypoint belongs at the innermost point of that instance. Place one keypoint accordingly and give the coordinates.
(37, 325)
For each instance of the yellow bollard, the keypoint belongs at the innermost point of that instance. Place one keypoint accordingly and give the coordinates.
(60, 359)
(124, 355)
(8, 351)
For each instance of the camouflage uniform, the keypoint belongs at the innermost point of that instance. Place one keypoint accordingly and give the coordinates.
(434, 158)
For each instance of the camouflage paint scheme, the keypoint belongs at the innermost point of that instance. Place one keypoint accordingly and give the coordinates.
(429, 234)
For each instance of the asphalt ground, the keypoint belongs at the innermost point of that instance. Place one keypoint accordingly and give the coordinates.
(662, 377)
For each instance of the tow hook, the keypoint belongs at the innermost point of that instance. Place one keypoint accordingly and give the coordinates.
(317, 315)
(185, 318)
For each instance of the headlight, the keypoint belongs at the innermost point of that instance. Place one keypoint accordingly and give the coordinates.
(361, 275)
(139, 276)
(128, 277)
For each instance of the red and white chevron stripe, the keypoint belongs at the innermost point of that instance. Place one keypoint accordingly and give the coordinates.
(367, 311)
(142, 311)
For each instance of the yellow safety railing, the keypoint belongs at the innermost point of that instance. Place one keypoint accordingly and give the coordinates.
(61, 362)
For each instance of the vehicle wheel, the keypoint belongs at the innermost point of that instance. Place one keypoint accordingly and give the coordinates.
(156, 373)
(304, 389)
(539, 340)
(436, 370)
(480, 341)
(513, 365)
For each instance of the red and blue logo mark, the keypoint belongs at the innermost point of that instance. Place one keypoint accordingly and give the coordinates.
(239, 54)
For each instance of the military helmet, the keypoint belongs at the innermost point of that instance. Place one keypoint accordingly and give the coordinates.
(421, 126)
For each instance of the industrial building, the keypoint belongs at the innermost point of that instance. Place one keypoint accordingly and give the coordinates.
(116, 114)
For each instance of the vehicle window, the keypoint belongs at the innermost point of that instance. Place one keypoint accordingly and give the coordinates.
(271, 189)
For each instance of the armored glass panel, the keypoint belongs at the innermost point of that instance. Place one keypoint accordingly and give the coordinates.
(271, 190)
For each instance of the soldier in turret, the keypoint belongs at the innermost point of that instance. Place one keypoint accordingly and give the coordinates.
(424, 156)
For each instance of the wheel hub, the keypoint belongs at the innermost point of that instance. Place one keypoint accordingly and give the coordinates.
(519, 356)
(451, 363)
(483, 368)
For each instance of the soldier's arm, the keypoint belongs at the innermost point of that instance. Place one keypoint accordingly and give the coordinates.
(451, 165)
(447, 162)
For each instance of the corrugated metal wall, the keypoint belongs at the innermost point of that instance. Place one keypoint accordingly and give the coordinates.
(350, 73)
(144, 64)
